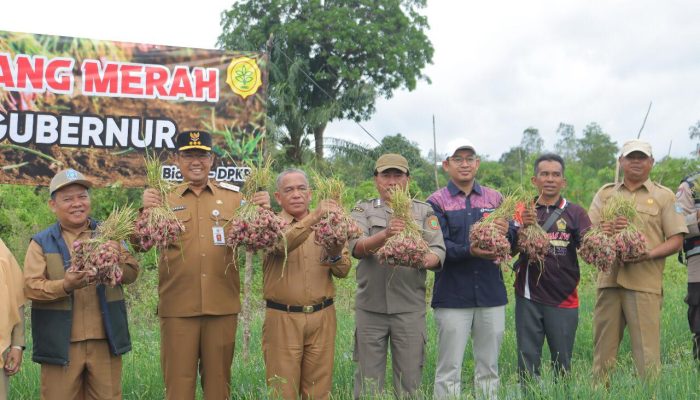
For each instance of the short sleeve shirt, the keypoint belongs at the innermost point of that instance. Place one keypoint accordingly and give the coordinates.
(392, 289)
(658, 219)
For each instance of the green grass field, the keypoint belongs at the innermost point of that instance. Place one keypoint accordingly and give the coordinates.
(678, 380)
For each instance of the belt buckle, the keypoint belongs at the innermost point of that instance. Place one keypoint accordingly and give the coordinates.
(307, 309)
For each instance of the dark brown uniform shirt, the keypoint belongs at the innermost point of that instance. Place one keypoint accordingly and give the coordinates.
(306, 279)
(196, 276)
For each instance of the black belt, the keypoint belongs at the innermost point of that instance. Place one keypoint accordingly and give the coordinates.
(303, 309)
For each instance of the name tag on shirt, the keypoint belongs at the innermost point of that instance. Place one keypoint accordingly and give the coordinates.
(219, 238)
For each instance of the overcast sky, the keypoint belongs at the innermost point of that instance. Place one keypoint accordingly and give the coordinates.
(499, 66)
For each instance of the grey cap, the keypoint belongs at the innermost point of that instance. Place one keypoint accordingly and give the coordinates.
(68, 177)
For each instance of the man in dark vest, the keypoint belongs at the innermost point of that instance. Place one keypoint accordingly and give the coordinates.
(688, 199)
(79, 329)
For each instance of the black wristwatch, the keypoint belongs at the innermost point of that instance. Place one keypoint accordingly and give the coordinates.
(334, 259)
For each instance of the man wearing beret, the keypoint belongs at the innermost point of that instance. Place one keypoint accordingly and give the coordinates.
(631, 295)
(199, 297)
(390, 300)
(79, 330)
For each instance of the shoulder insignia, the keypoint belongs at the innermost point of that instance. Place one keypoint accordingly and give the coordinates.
(229, 186)
(433, 223)
(358, 209)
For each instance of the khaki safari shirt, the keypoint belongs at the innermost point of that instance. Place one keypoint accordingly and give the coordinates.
(306, 279)
(44, 286)
(658, 219)
(393, 289)
(196, 276)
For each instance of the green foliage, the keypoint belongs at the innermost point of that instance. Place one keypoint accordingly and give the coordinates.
(142, 379)
(353, 50)
(595, 148)
(669, 171)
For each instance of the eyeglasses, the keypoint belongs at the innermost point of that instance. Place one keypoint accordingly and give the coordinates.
(461, 160)
(195, 156)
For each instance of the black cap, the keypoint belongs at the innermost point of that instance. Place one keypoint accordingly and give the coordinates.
(194, 140)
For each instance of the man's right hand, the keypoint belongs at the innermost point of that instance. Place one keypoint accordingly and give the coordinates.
(487, 254)
(151, 198)
(75, 280)
(395, 227)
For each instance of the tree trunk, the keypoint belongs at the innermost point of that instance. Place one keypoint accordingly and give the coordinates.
(296, 141)
(247, 312)
(318, 140)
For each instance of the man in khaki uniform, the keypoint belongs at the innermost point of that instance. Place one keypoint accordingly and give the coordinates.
(631, 295)
(300, 323)
(11, 318)
(79, 330)
(390, 303)
(198, 287)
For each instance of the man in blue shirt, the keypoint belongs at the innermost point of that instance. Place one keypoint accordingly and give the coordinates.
(469, 296)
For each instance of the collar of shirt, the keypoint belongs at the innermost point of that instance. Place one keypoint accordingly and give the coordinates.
(454, 190)
(648, 184)
(556, 204)
(77, 231)
(185, 187)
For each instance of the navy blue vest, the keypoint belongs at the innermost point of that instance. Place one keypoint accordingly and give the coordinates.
(52, 321)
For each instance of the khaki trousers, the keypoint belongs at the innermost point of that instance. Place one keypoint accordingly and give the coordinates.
(93, 372)
(298, 350)
(616, 308)
(205, 343)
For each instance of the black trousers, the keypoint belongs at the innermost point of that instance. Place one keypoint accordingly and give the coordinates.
(533, 323)
(693, 301)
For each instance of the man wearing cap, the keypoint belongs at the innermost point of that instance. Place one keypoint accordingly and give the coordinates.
(469, 296)
(11, 318)
(631, 295)
(79, 330)
(688, 198)
(390, 300)
(299, 332)
(199, 294)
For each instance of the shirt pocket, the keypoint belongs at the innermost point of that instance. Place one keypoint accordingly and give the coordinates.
(647, 215)
(185, 217)
(376, 224)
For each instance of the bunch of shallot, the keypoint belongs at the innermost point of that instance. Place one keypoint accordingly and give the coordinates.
(254, 227)
(97, 255)
(604, 251)
(486, 235)
(532, 239)
(335, 228)
(598, 249)
(407, 248)
(157, 226)
(630, 244)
